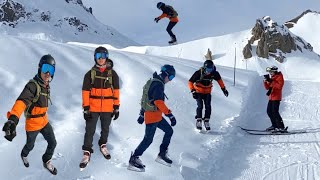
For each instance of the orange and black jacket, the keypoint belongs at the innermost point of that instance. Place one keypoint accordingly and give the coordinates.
(38, 110)
(276, 86)
(156, 94)
(203, 83)
(167, 11)
(100, 95)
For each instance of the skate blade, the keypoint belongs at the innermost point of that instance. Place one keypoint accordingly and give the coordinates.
(175, 43)
(133, 168)
(161, 161)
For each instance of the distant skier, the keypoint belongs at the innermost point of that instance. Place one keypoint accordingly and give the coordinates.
(169, 12)
(34, 101)
(100, 99)
(152, 107)
(274, 86)
(200, 85)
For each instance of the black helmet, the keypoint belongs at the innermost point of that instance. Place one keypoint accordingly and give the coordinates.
(169, 71)
(100, 49)
(208, 64)
(272, 69)
(160, 5)
(46, 59)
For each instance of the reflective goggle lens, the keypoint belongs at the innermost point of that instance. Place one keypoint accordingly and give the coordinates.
(171, 77)
(208, 70)
(101, 55)
(48, 68)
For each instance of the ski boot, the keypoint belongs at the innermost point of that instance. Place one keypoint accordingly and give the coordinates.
(206, 124)
(104, 151)
(280, 130)
(50, 167)
(199, 123)
(164, 159)
(271, 128)
(135, 164)
(25, 161)
(173, 41)
(85, 160)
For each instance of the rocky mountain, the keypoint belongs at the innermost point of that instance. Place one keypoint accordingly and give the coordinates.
(58, 20)
(273, 39)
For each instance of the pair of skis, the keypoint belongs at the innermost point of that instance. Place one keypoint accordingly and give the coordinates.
(265, 132)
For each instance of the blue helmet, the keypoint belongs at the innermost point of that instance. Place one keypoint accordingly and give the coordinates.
(160, 4)
(169, 71)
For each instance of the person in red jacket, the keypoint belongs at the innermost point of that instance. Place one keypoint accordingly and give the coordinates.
(200, 85)
(274, 86)
(169, 12)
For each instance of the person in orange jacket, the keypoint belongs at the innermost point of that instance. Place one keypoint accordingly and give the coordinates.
(274, 86)
(200, 85)
(100, 99)
(34, 102)
(169, 12)
(151, 114)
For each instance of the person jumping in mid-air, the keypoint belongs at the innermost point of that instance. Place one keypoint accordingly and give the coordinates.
(169, 12)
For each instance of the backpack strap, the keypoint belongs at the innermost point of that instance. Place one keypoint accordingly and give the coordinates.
(30, 105)
(106, 79)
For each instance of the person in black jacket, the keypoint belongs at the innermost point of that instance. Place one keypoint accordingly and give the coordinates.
(34, 101)
(200, 85)
(169, 12)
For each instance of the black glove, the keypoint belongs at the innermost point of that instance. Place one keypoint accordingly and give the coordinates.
(115, 112)
(225, 92)
(267, 78)
(195, 95)
(10, 127)
(86, 113)
(172, 119)
(141, 117)
(156, 19)
(269, 92)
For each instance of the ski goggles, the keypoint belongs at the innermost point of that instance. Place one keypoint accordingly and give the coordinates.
(171, 77)
(208, 70)
(270, 69)
(101, 55)
(48, 68)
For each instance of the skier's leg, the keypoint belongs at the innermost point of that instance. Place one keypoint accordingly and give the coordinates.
(90, 130)
(270, 113)
(200, 106)
(276, 114)
(147, 140)
(169, 30)
(207, 105)
(105, 119)
(48, 134)
(31, 138)
(168, 131)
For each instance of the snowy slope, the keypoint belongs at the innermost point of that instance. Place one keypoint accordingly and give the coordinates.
(62, 21)
(224, 153)
(306, 26)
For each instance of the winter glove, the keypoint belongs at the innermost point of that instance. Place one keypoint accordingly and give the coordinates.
(267, 78)
(10, 127)
(156, 19)
(269, 92)
(86, 113)
(172, 119)
(141, 117)
(115, 112)
(195, 95)
(225, 92)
